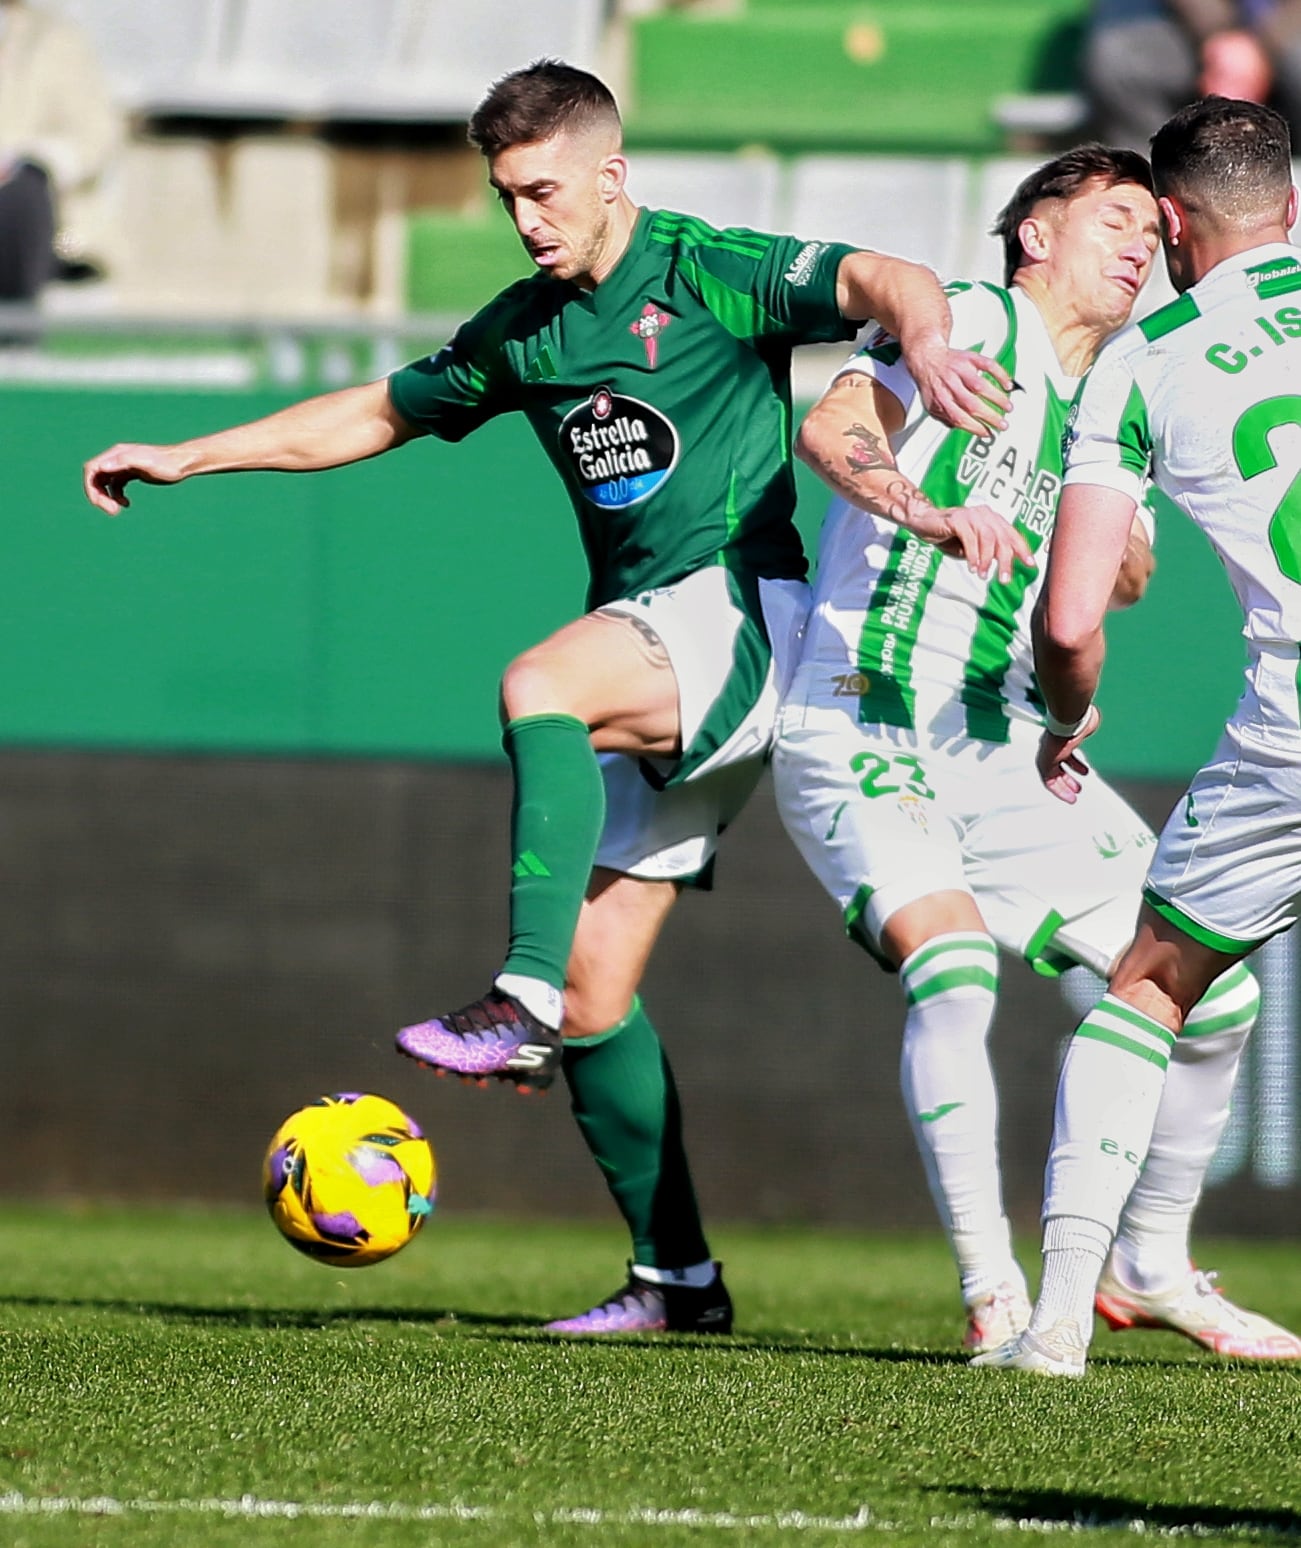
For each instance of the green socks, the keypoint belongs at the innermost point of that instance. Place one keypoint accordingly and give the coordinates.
(621, 1087)
(556, 823)
(626, 1104)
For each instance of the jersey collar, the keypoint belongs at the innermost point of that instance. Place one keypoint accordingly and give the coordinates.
(1272, 254)
(1033, 330)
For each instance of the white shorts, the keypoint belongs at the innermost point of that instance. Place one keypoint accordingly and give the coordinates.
(884, 816)
(663, 818)
(1227, 868)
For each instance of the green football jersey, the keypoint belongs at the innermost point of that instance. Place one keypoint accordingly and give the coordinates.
(662, 396)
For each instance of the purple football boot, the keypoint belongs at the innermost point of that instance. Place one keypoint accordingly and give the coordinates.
(641, 1307)
(495, 1036)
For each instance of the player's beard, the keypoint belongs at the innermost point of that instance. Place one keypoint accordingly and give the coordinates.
(587, 259)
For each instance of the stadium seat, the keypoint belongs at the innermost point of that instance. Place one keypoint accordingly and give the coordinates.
(725, 190)
(442, 54)
(825, 75)
(162, 58)
(178, 256)
(414, 60)
(911, 206)
(281, 221)
(291, 58)
(1041, 114)
(457, 262)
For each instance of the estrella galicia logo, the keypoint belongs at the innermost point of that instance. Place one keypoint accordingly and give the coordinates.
(621, 449)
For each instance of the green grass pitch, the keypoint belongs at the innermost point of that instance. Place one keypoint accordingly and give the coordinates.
(184, 1378)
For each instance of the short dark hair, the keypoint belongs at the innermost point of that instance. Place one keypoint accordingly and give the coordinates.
(538, 101)
(1225, 159)
(1062, 178)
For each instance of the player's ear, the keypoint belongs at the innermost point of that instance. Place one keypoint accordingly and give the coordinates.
(612, 177)
(1292, 198)
(1172, 220)
(1032, 234)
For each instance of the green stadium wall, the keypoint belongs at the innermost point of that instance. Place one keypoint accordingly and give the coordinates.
(370, 610)
(194, 940)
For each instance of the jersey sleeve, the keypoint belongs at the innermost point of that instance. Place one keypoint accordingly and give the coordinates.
(763, 286)
(980, 322)
(460, 388)
(1108, 439)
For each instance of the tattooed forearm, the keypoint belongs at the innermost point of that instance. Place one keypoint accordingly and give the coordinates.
(650, 644)
(866, 450)
(897, 499)
(904, 502)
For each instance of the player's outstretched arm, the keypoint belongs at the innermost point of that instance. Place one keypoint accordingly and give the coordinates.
(1092, 532)
(960, 388)
(323, 432)
(845, 440)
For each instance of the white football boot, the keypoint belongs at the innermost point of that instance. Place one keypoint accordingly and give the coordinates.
(997, 1318)
(1199, 1310)
(1057, 1351)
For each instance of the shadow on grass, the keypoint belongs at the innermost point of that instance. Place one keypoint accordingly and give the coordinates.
(507, 1328)
(1105, 1510)
(266, 1316)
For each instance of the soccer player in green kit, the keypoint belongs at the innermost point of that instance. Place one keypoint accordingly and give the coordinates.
(651, 355)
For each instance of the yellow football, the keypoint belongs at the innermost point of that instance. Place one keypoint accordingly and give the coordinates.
(349, 1179)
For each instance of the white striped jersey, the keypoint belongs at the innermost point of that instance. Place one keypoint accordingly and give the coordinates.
(907, 632)
(1204, 397)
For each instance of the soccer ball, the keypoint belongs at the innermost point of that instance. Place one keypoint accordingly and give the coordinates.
(349, 1179)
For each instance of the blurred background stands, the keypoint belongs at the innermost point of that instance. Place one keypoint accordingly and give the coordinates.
(250, 762)
(306, 159)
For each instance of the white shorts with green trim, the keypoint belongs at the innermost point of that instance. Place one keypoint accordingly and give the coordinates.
(669, 834)
(732, 644)
(1227, 867)
(884, 816)
(663, 819)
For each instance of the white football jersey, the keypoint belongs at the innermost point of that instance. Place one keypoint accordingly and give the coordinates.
(915, 637)
(1204, 397)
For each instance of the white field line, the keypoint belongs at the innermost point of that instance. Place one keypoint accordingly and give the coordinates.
(249, 1507)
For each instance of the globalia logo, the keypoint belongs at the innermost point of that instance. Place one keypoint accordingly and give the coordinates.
(621, 449)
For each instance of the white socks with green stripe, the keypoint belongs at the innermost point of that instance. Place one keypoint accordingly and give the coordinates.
(1107, 1102)
(948, 1088)
(1151, 1249)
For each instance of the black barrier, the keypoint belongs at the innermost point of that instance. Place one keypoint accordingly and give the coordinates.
(191, 947)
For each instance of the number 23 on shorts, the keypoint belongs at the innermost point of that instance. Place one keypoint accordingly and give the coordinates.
(874, 767)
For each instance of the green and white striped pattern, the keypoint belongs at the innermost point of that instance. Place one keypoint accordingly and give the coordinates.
(957, 964)
(906, 630)
(1201, 398)
(1119, 1025)
(1232, 1001)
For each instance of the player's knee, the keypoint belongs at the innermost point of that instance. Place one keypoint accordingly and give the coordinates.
(591, 1009)
(533, 685)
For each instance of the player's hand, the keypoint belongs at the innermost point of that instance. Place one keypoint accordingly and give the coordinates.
(1059, 762)
(961, 389)
(104, 478)
(986, 540)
